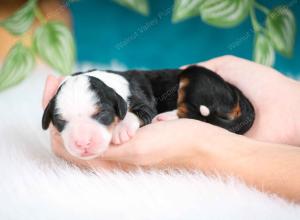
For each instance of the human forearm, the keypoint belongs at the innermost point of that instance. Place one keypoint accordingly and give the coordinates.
(269, 167)
(297, 101)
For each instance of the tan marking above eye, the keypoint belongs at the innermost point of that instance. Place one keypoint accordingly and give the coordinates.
(97, 110)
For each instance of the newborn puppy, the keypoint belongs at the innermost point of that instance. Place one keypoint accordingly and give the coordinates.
(94, 108)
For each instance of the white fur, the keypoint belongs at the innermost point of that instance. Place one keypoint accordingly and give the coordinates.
(37, 185)
(114, 81)
(75, 98)
(204, 110)
(68, 138)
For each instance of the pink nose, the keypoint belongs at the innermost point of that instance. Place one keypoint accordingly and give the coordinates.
(83, 144)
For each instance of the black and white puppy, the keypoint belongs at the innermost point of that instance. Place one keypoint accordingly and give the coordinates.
(94, 108)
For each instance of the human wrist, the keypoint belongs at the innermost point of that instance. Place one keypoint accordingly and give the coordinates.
(294, 114)
(297, 133)
(206, 144)
(221, 152)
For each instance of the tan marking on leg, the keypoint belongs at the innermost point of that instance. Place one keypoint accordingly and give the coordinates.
(182, 110)
(181, 106)
(235, 113)
(181, 91)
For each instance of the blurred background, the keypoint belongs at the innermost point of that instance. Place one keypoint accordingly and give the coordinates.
(104, 31)
(148, 34)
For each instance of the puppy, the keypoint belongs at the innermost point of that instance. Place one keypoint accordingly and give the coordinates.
(94, 108)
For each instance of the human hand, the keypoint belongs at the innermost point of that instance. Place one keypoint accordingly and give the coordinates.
(183, 143)
(276, 98)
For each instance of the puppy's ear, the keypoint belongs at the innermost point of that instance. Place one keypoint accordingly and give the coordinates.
(47, 116)
(120, 106)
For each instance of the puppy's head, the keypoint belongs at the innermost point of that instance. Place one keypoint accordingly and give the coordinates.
(85, 111)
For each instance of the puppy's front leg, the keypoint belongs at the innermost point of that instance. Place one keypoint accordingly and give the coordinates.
(140, 114)
(125, 129)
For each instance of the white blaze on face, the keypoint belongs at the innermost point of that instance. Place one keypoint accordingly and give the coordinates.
(75, 98)
(83, 136)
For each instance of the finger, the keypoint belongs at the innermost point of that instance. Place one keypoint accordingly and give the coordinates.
(209, 64)
(185, 66)
(155, 119)
(124, 136)
(115, 138)
(51, 86)
(214, 63)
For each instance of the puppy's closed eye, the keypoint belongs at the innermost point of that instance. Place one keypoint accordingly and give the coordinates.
(104, 117)
(59, 122)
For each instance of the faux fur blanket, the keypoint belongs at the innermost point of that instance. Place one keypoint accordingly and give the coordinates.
(36, 185)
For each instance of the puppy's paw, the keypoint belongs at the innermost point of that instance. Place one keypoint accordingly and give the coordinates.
(126, 129)
(166, 116)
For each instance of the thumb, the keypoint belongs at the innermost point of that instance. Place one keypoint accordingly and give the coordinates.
(121, 153)
(212, 64)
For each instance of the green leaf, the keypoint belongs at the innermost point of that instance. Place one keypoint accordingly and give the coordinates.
(225, 13)
(184, 9)
(20, 21)
(140, 6)
(263, 50)
(54, 43)
(18, 63)
(281, 27)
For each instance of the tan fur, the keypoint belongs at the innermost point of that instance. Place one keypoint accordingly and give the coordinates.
(235, 113)
(181, 106)
(181, 91)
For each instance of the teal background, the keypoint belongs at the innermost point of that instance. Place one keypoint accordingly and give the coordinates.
(105, 31)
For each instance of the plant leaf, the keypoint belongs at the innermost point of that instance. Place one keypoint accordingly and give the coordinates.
(140, 6)
(184, 9)
(225, 13)
(18, 63)
(20, 21)
(263, 50)
(54, 43)
(281, 27)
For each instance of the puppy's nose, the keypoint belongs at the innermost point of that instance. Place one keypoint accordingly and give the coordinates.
(83, 144)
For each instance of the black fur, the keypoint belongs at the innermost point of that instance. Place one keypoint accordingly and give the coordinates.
(207, 88)
(47, 116)
(157, 91)
(111, 103)
(51, 115)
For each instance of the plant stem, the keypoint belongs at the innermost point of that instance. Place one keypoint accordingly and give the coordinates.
(256, 26)
(39, 15)
(262, 8)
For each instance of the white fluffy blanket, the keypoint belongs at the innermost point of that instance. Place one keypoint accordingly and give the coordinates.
(36, 185)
